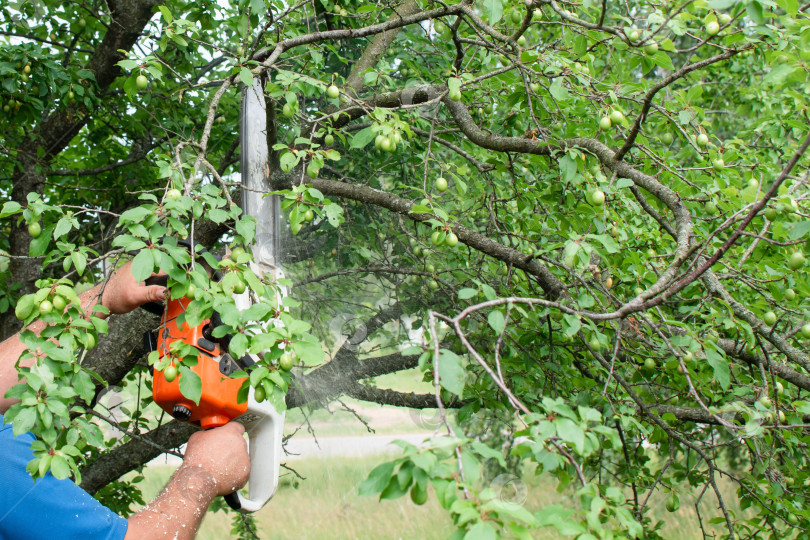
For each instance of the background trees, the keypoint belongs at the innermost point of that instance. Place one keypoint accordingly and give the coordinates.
(589, 217)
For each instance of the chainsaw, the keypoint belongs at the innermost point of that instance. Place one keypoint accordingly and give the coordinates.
(218, 403)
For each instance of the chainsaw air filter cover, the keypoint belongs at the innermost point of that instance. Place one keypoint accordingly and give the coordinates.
(218, 404)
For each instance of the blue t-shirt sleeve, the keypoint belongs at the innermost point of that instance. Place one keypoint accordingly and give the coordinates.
(48, 508)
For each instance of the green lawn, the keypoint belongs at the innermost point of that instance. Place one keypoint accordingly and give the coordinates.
(326, 505)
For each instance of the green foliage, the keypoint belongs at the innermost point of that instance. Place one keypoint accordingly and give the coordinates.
(567, 319)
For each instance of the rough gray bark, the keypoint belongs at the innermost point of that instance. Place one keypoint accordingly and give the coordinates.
(379, 44)
(138, 451)
(118, 352)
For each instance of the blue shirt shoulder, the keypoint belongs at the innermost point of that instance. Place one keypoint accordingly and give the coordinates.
(48, 508)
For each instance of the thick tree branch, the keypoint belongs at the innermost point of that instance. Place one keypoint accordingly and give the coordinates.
(111, 465)
(325, 383)
(379, 44)
(357, 192)
(384, 396)
(118, 352)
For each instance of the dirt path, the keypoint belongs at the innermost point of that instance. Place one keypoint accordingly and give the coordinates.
(304, 446)
(391, 424)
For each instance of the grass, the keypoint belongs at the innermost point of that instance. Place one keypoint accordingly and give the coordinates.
(327, 505)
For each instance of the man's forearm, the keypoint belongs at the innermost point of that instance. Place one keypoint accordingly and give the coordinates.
(178, 511)
(12, 348)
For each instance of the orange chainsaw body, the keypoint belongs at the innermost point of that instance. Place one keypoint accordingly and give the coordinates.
(218, 404)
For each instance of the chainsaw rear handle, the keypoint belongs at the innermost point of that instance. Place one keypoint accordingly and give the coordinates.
(265, 428)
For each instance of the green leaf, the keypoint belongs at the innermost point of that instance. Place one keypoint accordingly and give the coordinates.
(129, 242)
(288, 161)
(451, 372)
(79, 261)
(684, 117)
(489, 453)
(142, 265)
(190, 384)
(83, 385)
(623, 183)
(128, 65)
(257, 7)
(778, 75)
(719, 364)
(393, 490)
(607, 241)
(790, 6)
(425, 461)
(243, 25)
(370, 78)
(59, 467)
(799, 230)
(334, 214)
(9, 209)
(167, 15)
(721, 5)
(558, 91)
(496, 321)
(377, 479)
(135, 215)
(246, 227)
(309, 352)
(465, 294)
(24, 307)
(39, 245)
(570, 432)
(506, 508)
(568, 167)
(246, 76)
(217, 215)
(24, 421)
(494, 10)
(63, 226)
(668, 45)
(663, 60)
(471, 464)
(239, 345)
(481, 531)
(755, 12)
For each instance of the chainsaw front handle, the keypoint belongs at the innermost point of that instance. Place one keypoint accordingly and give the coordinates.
(265, 428)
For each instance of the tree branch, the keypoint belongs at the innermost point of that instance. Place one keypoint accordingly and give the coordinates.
(378, 46)
(385, 396)
(356, 192)
(110, 466)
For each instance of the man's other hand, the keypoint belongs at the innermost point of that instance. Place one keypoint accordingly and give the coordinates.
(122, 293)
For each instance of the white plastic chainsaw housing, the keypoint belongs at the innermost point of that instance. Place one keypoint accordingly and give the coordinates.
(265, 428)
